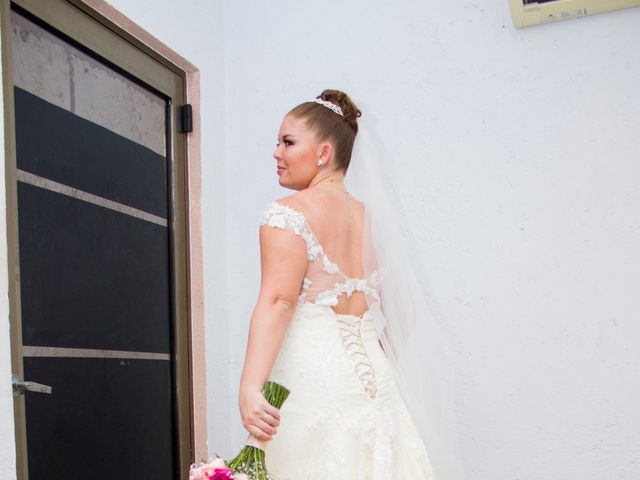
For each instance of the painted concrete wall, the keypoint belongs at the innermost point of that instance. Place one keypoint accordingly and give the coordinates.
(516, 159)
(516, 156)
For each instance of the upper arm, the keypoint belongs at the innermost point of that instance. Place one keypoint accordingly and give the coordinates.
(283, 259)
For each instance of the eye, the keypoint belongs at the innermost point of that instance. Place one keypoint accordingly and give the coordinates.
(288, 143)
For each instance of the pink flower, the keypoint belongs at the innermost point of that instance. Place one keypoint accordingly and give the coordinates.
(209, 471)
(220, 474)
(218, 463)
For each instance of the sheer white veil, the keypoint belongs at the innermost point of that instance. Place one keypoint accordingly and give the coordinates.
(408, 324)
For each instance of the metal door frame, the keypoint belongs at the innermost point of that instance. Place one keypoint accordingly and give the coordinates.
(85, 25)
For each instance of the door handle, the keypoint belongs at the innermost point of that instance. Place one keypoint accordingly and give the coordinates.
(19, 387)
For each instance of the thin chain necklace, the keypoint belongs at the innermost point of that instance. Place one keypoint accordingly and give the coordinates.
(345, 191)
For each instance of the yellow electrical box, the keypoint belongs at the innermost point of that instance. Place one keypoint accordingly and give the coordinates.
(526, 13)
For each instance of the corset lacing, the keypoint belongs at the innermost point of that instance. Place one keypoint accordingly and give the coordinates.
(351, 335)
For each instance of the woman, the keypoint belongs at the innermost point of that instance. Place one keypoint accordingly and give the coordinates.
(312, 329)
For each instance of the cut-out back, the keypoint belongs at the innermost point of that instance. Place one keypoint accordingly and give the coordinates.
(323, 282)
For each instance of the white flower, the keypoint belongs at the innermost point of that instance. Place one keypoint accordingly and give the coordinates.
(329, 266)
(314, 251)
(278, 221)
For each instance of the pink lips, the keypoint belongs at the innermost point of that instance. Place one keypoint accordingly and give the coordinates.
(280, 170)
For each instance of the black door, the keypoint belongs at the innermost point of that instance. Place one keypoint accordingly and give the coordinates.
(94, 263)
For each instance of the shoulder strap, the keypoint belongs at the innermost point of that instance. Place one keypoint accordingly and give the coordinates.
(282, 216)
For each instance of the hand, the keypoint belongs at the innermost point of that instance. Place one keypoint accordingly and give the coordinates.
(259, 417)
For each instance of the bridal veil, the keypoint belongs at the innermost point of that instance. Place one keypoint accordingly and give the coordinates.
(408, 324)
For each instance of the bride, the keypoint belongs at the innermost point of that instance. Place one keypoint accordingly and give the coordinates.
(335, 322)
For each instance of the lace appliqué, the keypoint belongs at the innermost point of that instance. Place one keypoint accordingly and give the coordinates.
(351, 335)
(282, 216)
(327, 265)
(330, 297)
(306, 283)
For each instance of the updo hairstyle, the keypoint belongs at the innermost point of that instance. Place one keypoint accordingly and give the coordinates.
(329, 126)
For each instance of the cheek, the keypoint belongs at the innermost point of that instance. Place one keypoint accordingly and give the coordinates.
(296, 160)
(299, 169)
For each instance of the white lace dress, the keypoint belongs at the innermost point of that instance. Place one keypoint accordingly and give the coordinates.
(344, 418)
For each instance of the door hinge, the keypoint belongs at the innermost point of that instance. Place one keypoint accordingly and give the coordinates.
(186, 118)
(19, 387)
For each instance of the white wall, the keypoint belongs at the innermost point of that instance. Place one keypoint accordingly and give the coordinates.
(516, 154)
(516, 158)
(521, 149)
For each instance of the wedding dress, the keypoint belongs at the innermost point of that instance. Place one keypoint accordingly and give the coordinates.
(345, 417)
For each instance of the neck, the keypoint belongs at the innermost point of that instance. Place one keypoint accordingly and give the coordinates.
(329, 178)
(334, 178)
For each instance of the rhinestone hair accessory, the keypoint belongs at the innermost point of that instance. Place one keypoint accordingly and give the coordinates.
(329, 105)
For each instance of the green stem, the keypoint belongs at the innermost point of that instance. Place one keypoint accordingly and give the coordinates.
(251, 460)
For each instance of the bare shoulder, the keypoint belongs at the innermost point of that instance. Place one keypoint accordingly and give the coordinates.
(300, 201)
(358, 203)
(314, 203)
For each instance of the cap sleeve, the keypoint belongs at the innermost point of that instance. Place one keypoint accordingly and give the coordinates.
(281, 216)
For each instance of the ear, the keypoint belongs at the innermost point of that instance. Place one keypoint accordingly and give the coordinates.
(326, 152)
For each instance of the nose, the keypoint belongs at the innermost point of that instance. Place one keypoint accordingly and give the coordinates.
(276, 153)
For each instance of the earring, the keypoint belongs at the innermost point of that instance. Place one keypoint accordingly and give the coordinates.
(319, 163)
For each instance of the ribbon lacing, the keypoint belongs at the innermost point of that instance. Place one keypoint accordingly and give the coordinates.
(350, 333)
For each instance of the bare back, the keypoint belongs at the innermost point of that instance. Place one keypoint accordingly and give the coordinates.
(331, 223)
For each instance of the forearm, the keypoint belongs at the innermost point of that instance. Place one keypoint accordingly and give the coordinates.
(268, 326)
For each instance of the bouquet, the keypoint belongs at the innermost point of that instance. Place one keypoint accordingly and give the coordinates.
(213, 470)
(249, 464)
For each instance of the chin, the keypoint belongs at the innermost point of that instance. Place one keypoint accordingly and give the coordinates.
(283, 183)
(289, 185)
